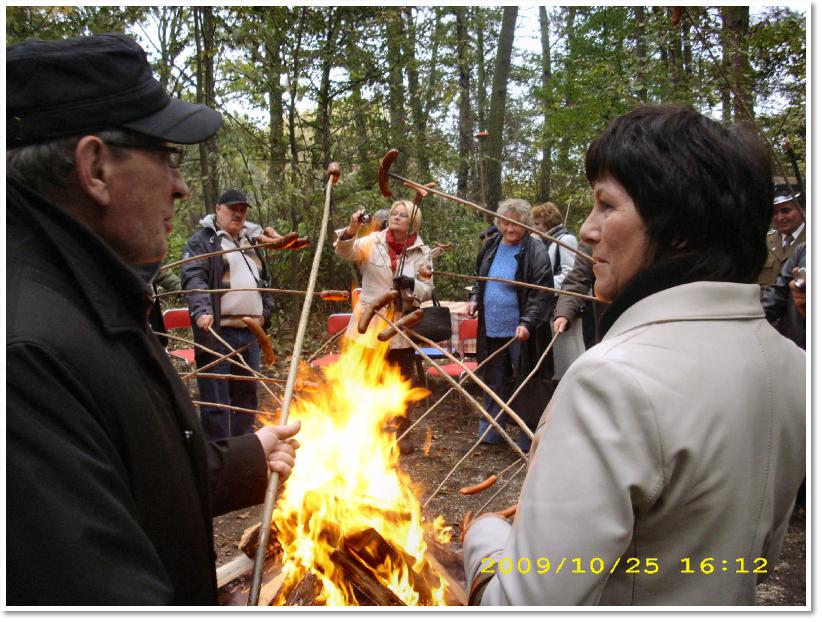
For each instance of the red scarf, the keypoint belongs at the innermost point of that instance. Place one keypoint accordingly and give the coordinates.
(395, 249)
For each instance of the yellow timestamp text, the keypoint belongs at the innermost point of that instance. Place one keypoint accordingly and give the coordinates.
(628, 565)
(711, 565)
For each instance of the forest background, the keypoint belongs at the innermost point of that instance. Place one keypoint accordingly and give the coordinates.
(302, 86)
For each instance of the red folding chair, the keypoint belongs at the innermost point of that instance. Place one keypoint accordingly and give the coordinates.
(179, 318)
(336, 323)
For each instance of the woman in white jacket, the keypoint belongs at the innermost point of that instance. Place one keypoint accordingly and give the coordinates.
(665, 468)
(391, 258)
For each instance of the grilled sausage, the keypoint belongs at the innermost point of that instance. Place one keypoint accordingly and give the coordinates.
(472, 490)
(265, 343)
(406, 321)
(379, 303)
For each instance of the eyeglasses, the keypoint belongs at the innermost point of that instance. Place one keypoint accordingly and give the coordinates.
(175, 154)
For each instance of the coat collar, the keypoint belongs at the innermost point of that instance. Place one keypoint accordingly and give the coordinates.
(701, 300)
(116, 294)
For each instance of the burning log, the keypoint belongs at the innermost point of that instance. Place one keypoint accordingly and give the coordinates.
(305, 593)
(367, 588)
(249, 542)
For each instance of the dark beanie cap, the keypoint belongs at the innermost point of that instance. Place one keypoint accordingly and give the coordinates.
(87, 84)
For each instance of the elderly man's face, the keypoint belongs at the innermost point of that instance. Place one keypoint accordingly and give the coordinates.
(786, 217)
(231, 218)
(140, 214)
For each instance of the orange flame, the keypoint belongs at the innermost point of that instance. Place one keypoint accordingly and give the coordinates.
(346, 480)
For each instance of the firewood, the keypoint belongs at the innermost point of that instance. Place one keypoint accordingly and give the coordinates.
(251, 539)
(367, 587)
(372, 549)
(305, 593)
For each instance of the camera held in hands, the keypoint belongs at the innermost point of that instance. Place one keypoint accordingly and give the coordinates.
(364, 218)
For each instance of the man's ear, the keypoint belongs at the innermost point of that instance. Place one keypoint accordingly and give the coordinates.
(93, 163)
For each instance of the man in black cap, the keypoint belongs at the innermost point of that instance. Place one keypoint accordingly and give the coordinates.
(111, 488)
(223, 313)
(787, 233)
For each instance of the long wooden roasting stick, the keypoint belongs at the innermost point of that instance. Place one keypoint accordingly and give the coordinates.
(274, 478)
(222, 357)
(216, 362)
(502, 486)
(470, 277)
(246, 365)
(385, 173)
(465, 393)
(335, 295)
(328, 342)
(229, 407)
(287, 241)
(461, 382)
(487, 430)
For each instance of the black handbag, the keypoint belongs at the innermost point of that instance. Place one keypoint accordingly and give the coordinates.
(435, 323)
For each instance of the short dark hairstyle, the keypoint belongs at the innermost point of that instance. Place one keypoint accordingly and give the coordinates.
(702, 189)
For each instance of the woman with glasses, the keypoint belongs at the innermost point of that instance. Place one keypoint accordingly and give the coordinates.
(392, 258)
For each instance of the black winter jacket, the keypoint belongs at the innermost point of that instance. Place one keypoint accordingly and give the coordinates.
(111, 488)
(536, 308)
(207, 273)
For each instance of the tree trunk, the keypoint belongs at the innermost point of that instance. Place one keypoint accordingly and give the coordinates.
(276, 153)
(482, 98)
(204, 30)
(641, 53)
(735, 24)
(496, 117)
(415, 98)
(569, 102)
(464, 73)
(396, 94)
(544, 184)
(680, 87)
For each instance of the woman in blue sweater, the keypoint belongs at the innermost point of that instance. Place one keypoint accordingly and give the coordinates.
(506, 311)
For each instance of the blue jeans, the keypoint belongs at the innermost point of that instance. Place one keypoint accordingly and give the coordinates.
(221, 422)
(499, 375)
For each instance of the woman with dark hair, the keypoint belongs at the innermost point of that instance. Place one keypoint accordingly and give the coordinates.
(664, 470)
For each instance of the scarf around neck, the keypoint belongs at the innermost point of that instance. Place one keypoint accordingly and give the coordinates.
(395, 249)
(664, 274)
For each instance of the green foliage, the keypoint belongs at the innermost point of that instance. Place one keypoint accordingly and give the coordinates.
(604, 61)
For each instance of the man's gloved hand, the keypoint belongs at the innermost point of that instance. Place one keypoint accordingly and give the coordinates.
(403, 282)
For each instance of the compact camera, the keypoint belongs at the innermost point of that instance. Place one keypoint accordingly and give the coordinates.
(364, 218)
(263, 284)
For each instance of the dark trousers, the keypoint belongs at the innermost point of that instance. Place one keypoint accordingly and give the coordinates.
(221, 422)
(500, 375)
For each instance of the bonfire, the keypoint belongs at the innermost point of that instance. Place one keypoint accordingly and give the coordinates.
(347, 496)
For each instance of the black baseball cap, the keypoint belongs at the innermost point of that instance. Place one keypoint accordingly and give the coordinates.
(233, 197)
(87, 84)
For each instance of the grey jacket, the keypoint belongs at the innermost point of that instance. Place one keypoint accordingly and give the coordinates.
(680, 435)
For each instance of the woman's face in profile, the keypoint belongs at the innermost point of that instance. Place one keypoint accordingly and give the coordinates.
(618, 239)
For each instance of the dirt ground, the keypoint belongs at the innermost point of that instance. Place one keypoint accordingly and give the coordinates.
(451, 434)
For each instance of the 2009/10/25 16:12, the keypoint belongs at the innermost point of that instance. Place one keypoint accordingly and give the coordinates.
(709, 565)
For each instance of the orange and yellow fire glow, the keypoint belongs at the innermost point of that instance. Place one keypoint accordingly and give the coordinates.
(346, 480)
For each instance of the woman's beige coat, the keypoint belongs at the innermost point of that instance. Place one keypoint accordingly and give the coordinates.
(681, 435)
(371, 254)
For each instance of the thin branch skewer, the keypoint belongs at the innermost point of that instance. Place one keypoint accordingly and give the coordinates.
(254, 372)
(554, 290)
(274, 478)
(228, 407)
(466, 394)
(488, 429)
(461, 382)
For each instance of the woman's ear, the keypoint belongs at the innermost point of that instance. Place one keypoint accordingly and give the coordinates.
(93, 167)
